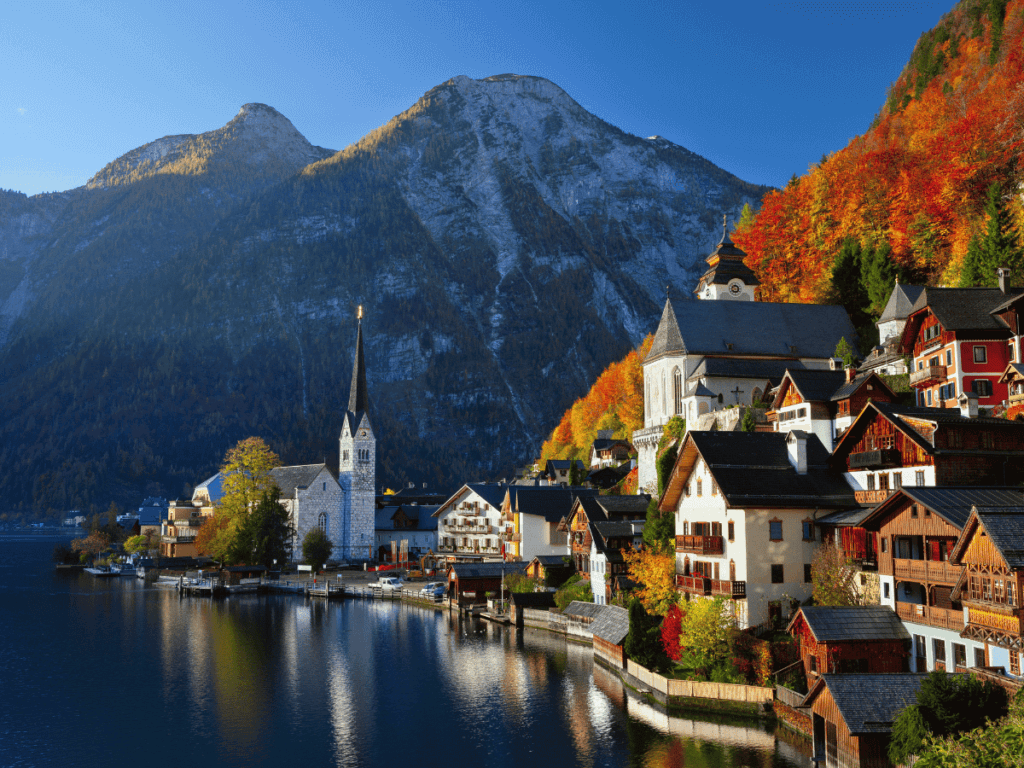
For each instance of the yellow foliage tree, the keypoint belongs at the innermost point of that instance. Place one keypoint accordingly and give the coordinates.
(656, 575)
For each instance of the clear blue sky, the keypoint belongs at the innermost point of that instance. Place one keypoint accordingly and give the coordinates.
(762, 89)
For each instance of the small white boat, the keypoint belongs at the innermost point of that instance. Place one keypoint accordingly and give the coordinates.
(101, 572)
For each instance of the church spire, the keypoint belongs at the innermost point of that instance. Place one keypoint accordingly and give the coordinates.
(357, 398)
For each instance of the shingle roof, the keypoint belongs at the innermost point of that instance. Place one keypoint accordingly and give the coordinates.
(533, 599)
(604, 443)
(424, 515)
(845, 518)
(300, 476)
(618, 505)
(817, 386)
(870, 622)
(782, 330)
(954, 504)
(848, 390)
(549, 560)
(611, 624)
(552, 502)
(769, 370)
(580, 608)
(901, 302)
(1005, 529)
(486, 570)
(752, 469)
(869, 703)
(383, 519)
(962, 309)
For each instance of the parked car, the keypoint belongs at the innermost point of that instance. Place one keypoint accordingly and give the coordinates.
(430, 587)
(440, 590)
(389, 583)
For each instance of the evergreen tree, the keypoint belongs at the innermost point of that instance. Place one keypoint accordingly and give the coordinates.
(878, 277)
(265, 535)
(847, 282)
(998, 247)
(316, 549)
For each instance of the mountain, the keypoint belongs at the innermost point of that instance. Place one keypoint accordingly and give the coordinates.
(916, 181)
(506, 244)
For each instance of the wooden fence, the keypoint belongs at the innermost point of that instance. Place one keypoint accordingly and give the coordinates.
(696, 690)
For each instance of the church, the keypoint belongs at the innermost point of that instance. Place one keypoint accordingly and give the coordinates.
(725, 349)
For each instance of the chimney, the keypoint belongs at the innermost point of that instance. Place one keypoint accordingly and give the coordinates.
(796, 442)
(1002, 273)
(968, 402)
(835, 363)
(851, 374)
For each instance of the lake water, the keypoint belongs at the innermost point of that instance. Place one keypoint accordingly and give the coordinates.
(112, 672)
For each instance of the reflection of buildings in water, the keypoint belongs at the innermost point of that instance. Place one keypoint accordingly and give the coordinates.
(720, 733)
(610, 685)
(337, 662)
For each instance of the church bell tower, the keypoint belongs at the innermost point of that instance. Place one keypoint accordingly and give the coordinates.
(357, 463)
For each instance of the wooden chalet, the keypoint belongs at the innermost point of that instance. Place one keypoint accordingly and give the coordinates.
(866, 639)
(991, 551)
(852, 717)
(551, 570)
(469, 583)
(608, 451)
(889, 446)
(1013, 378)
(588, 509)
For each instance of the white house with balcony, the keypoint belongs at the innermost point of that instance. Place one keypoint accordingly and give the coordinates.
(470, 523)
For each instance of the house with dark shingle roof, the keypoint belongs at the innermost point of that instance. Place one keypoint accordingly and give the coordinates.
(868, 639)
(610, 629)
(608, 451)
(991, 552)
(408, 528)
(608, 540)
(961, 340)
(471, 525)
(745, 505)
(533, 516)
(852, 716)
(917, 529)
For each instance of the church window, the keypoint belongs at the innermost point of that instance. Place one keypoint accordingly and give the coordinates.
(321, 522)
(700, 486)
(344, 455)
(664, 394)
(720, 399)
(755, 396)
(677, 390)
(325, 486)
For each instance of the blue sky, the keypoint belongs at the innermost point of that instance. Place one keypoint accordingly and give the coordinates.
(762, 89)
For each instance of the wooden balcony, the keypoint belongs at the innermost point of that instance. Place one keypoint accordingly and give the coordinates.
(931, 615)
(698, 585)
(887, 457)
(1016, 399)
(872, 497)
(931, 571)
(1006, 619)
(930, 374)
(699, 545)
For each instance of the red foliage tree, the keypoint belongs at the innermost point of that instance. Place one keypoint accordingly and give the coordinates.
(671, 629)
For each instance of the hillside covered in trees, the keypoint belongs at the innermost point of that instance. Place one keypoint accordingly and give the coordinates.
(924, 183)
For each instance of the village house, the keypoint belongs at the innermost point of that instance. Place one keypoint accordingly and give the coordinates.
(991, 552)
(745, 505)
(608, 539)
(852, 717)
(178, 532)
(550, 570)
(727, 350)
(532, 518)
(890, 446)
(559, 471)
(406, 529)
(470, 583)
(470, 523)
(588, 509)
(866, 639)
(825, 402)
(887, 356)
(962, 340)
(917, 529)
(608, 451)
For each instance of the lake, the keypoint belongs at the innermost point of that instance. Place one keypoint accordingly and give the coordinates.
(111, 672)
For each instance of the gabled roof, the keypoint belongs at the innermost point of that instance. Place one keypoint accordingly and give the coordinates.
(550, 560)
(835, 625)
(850, 389)
(611, 624)
(492, 493)
(603, 530)
(901, 302)
(869, 703)
(959, 309)
(1013, 370)
(952, 503)
(603, 443)
(384, 519)
(769, 370)
(750, 328)
(486, 570)
(752, 469)
(582, 609)
(1004, 527)
(814, 386)
(300, 477)
(552, 502)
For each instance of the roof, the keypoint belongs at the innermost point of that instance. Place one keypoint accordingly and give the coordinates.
(289, 479)
(1005, 529)
(618, 505)
(533, 599)
(604, 443)
(552, 502)
(845, 518)
(848, 390)
(492, 493)
(963, 309)
(901, 302)
(384, 519)
(733, 368)
(869, 622)
(817, 386)
(952, 503)
(358, 400)
(752, 469)
(725, 327)
(550, 560)
(486, 570)
(869, 703)
(611, 624)
(602, 530)
(580, 608)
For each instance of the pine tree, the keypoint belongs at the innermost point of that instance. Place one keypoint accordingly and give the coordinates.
(998, 247)
(878, 277)
(847, 282)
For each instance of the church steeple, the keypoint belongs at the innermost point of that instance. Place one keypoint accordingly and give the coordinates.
(727, 276)
(357, 399)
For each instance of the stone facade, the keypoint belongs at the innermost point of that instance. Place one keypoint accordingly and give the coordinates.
(317, 504)
(357, 477)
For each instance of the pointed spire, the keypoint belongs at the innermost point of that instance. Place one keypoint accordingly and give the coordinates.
(667, 338)
(725, 231)
(357, 399)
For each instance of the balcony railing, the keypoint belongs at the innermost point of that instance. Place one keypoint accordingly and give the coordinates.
(934, 571)
(931, 615)
(872, 497)
(1009, 621)
(886, 457)
(698, 585)
(699, 545)
(1016, 399)
(927, 375)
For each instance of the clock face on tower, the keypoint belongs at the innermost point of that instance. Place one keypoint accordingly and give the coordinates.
(734, 288)
(362, 433)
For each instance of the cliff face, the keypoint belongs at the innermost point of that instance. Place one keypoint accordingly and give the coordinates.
(507, 245)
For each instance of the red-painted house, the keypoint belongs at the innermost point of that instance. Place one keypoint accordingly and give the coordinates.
(868, 639)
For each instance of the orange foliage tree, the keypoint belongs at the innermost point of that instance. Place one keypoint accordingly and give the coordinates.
(656, 575)
(953, 124)
(615, 402)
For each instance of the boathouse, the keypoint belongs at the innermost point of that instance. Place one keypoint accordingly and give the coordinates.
(862, 639)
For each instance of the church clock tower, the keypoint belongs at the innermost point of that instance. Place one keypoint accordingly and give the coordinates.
(357, 463)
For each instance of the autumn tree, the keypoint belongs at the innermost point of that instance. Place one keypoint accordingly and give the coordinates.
(212, 540)
(833, 578)
(92, 545)
(655, 573)
(316, 549)
(671, 632)
(136, 544)
(706, 631)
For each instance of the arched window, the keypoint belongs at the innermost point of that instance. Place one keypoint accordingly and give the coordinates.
(664, 394)
(755, 396)
(677, 391)
(321, 522)
(647, 398)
